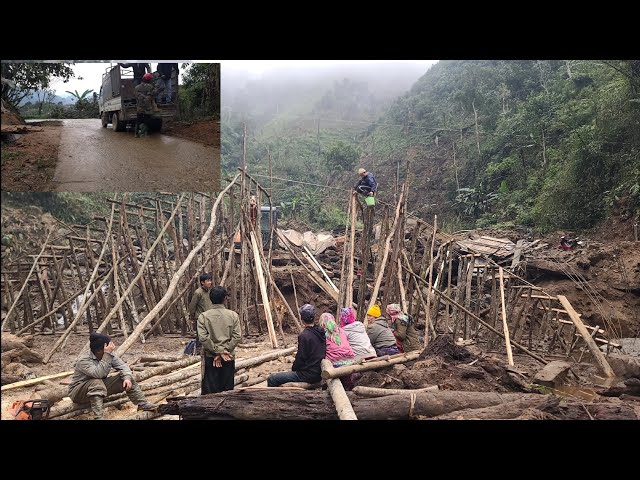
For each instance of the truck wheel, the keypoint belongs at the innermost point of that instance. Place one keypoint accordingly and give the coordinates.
(118, 126)
(105, 119)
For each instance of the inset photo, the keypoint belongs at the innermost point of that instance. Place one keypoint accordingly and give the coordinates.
(110, 126)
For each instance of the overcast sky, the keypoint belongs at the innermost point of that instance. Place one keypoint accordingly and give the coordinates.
(259, 67)
(92, 72)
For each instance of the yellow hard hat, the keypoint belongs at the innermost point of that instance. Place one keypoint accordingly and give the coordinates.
(361, 171)
(374, 311)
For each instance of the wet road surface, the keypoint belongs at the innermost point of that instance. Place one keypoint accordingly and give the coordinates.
(92, 158)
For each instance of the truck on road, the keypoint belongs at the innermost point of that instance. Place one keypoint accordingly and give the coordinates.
(117, 101)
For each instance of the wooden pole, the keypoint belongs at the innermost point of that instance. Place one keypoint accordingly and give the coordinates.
(9, 298)
(295, 297)
(296, 319)
(322, 270)
(482, 322)
(350, 260)
(504, 319)
(176, 278)
(331, 372)
(595, 351)
(418, 290)
(339, 396)
(385, 255)
(381, 392)
(403, 294)
(428, 307)
(263, 291)
(33, 266)
(87, 302)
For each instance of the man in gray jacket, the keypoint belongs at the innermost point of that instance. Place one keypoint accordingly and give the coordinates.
(90, 382)
(219, 334)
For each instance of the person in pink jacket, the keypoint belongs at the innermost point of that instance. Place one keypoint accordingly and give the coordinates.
(338, 348)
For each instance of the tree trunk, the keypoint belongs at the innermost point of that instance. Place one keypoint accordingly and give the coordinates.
(280, 404)
(381, 392)
(372, 365)
(256, 404)
(339, 396)
(504, 410)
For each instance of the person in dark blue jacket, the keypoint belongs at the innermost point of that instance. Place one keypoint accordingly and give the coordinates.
(367, 185)
(312, 348)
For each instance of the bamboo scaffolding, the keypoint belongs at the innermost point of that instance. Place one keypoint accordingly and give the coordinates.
(33, 266)
(374, 294)
(485, 324)
(172, 286)
(85, 304)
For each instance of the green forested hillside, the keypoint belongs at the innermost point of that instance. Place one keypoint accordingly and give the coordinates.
(311, 125)
(548, 144)
(544, 144)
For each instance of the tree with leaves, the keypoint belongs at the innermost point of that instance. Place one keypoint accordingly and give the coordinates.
(341, 156)
(28, 77)
(200, 96)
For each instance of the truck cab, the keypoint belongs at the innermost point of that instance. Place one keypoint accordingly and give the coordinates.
(117, 101)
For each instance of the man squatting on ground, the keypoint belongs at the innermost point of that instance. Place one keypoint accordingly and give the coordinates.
(90, 382)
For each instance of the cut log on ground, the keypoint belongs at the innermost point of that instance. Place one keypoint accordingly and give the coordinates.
(373, 365)
(339, 396)
(7, 379)
(251, 362)
(381, 392)
(304, 385)
(256, 404)
(281, 404)
(21, 355)
(34, 381)
(159, 358)
(10, 341)
(503, 411)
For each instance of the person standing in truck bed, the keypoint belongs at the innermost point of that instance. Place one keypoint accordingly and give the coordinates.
(165, 70)
(139, 69)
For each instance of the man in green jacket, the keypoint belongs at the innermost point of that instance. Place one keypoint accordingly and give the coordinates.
(219, 334)
(200, 301)
(90, 382)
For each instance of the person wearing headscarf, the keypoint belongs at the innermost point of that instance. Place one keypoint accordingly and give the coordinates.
(356, 334)
(403, 328)
(338, 347)
(339, 351)
(311, 350)
(381, 336)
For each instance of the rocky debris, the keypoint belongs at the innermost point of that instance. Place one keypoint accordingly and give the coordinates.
(624, 366)
(553, 374)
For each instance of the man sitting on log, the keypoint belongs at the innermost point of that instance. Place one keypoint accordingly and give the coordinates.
(219, 333)
(90, 382)
(312, 349)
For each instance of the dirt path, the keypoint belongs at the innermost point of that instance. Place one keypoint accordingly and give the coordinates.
(92, 158)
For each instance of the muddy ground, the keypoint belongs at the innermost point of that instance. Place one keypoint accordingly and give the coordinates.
(608, 294)
(171, 344)
(31, 161)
